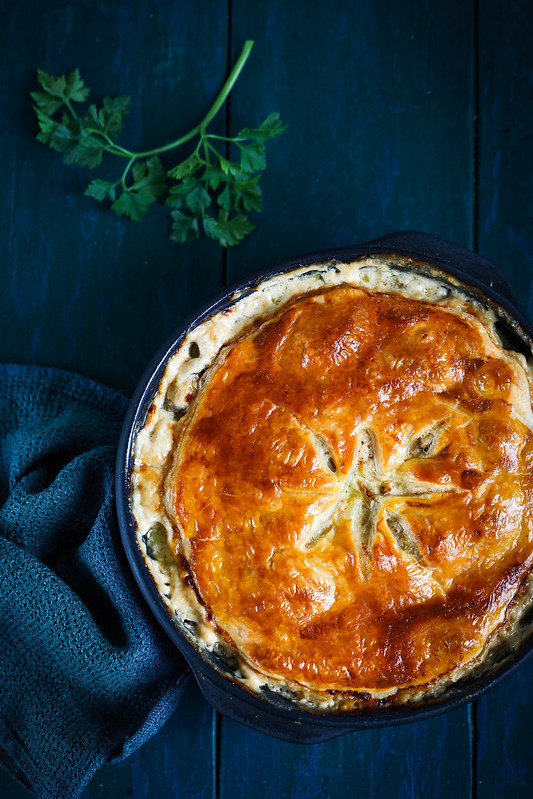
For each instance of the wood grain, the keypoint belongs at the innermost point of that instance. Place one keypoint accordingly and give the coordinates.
(505, 142)
(401, 116)
(429, 759)
(504, 766)
(380, 122)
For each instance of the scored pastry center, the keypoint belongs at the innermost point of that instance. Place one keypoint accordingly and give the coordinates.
(366, 490)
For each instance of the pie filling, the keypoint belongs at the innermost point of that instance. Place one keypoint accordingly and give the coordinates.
(333, 488)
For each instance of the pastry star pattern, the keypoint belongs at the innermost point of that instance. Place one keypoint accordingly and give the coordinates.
(369, 489)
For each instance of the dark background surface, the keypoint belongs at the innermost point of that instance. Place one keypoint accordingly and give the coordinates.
(413, 115)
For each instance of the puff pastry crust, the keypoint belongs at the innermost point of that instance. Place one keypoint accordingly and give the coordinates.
(351, 491)
(333, 487)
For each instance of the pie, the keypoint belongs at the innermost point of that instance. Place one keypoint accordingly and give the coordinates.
(333, 488)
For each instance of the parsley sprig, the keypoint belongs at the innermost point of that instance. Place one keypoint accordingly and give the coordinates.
(206, 192)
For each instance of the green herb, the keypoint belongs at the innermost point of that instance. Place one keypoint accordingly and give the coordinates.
(156, 543)
(206, 192)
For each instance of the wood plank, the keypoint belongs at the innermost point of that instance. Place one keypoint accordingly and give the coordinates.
(429, 759)
(505, 218)
(379, 104)
(505, 231)
(505, 736)
(379, 107)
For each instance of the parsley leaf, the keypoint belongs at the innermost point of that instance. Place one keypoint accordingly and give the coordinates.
(59, 91)
(214, 176)
(148, 184)
(149, 177)
(186, 167)
(75, 89)
(198, 199)
(206, 191)
(100, 190)
(228, 167)
(184, 228)
(271, 127)
(85, 151)
(131, 204)
(45, 104)
(227, 231)
(109, 119)
(253, 156)
(242, 194)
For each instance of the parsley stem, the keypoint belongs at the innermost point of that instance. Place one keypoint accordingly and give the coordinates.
(213, 111)
(114, 147)
(69, 106)
(225, 138)
(206, 149)
(122, 179)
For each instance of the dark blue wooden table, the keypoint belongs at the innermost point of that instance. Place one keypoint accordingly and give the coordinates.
(412, 115)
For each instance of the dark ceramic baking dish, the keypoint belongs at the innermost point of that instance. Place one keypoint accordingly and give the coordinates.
(269, 713)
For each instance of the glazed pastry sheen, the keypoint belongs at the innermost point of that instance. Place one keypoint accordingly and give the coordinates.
(351, 491)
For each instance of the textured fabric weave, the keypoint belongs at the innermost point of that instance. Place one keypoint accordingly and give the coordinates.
(85, 673)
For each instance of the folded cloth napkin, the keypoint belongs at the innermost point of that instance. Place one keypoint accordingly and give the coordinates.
(85, 674)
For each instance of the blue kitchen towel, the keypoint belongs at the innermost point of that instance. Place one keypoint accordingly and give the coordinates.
(85, 674)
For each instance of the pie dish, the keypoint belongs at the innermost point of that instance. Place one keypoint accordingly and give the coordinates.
(331, 485)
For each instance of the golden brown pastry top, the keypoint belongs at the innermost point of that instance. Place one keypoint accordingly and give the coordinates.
(353, 491)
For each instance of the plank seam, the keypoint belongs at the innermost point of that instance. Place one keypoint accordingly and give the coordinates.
(217, 754)
(227, 122)
(475, 130)
(473, 736)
